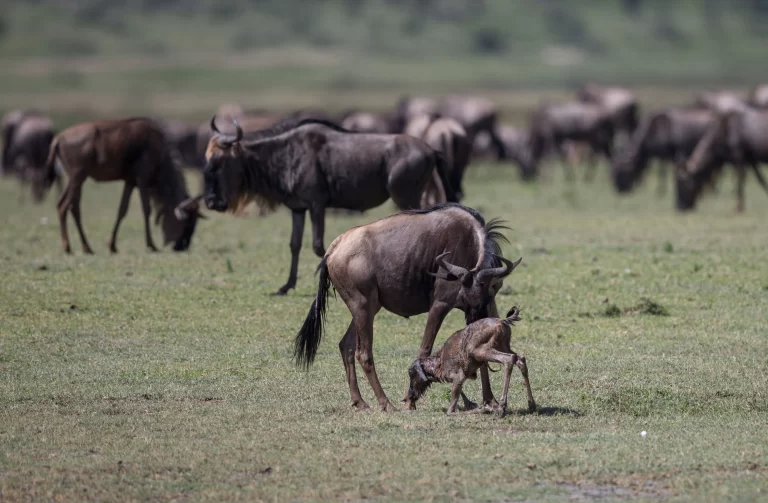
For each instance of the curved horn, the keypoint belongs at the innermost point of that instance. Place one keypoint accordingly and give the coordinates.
(239, 130)
(213, 125)
(181, 210)
(455, 270)
(499, 272)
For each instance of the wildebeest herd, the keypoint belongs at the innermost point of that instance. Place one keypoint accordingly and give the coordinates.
(435, 255)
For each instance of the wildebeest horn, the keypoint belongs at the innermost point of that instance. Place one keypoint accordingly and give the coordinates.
(499, 272)
(213, 125)
(448, 268)
(239, 130)
(182, 210)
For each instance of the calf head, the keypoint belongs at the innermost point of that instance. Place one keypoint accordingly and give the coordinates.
(421, 375)
(179, 225)
(477, 288)
(224, 171)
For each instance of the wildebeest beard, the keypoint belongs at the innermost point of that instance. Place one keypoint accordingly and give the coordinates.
(237, 182)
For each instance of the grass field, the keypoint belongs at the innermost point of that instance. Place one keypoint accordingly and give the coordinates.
(169, 377)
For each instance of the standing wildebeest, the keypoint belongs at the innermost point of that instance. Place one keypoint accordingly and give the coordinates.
(482, 342)
(133, 150)
(740, 138)
(390, 264)
(621, 104)
(517, 147)
(669, 135)
(758, 97)
(447, 136)
(311, 165)
(27, 140)
(554, 125)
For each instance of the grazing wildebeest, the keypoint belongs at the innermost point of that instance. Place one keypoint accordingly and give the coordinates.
(26, 150)
(517, 147)
(554, 125)
(136, 151)
(739, 138)
(758, 97)
(390, 264)
(668, 135)
(447, 136)
(311, 165)
(479, 343)
(621, 104)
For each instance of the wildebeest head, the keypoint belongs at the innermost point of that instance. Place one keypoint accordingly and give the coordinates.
(179, 225)
(421, 375)
(224, 172)
(477, 287)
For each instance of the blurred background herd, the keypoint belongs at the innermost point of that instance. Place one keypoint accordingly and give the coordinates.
(179, 61)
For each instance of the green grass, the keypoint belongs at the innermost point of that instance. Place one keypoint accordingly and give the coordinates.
(169, 377)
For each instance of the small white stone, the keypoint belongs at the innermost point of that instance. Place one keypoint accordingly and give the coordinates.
(627, 271)
(44, 220)
(643, 433)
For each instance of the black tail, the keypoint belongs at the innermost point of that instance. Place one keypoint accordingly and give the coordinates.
(512, 316)
(49, 173)
(441, 164)
(308, 338)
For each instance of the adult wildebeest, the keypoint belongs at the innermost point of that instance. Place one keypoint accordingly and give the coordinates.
(517, 147)
(136, 151)
(621, 105)
(758, 97)
(390, 264)
(28, 137)
(737, 137)
(720, 102)
(668, 135)
(482, 342)
(447, 136)
(311, 165)
(368, 122)
(554, 125)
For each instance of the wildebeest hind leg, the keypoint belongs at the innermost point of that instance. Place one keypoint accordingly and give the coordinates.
(317, 217)
(363, 312)
(78, 221)
(347, 348)
(63, 208)
(124, 200)
(405, 187)
(741, 179)
(297, 231)
(146, 208)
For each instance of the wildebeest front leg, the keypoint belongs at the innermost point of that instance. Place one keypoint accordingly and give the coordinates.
(124, 200)
(741, 179)
(77, 193)
(146, 208)
(363, 312)
(297, 231)
(317, 217)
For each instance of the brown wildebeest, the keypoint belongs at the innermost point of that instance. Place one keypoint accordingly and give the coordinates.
(390, 264)
(668, 135)
(136, 151)
(480, 343)
(758, 97)
(740, 138)
(554, 125)
(447, 136)
(26, 151)
(621, 104)
(720, 102)
(311, 165)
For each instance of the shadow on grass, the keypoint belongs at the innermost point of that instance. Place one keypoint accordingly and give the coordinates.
(553, 411)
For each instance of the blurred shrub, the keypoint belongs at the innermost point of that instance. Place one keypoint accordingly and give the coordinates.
(488, 40)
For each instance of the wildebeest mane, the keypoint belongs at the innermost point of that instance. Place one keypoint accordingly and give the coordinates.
(491, 229)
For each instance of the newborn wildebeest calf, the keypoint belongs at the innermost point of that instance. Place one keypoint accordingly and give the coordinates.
(484, 341)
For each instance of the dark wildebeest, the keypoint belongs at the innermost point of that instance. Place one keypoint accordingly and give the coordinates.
(391, 264)
(554, 125)
(447, 136)
(758, 97)
(739, 138)
(668, 135)
(621, 104)
(26, 150)
(311, 165)
(480, 343)
(136, 151)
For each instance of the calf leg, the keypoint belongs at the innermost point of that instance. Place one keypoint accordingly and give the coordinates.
(347, 348)
(146, 209)
(455, 392)
(63, 208)
(297, 231)
(124, 200)
(508, 360)
(78, 221)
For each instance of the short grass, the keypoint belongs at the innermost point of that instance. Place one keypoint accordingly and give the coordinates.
(169, 377)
